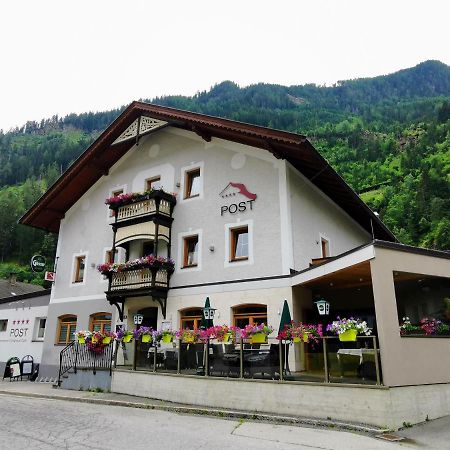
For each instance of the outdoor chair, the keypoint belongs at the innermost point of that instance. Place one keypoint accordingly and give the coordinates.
(264, 363)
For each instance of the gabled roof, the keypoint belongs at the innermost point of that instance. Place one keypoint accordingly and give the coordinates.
(121, 135)
(8, 289)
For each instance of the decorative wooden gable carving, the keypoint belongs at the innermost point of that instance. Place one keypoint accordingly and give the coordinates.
(142, 125)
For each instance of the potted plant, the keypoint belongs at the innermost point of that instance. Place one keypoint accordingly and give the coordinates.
(166, 336)
(82, 335)
(108, 336)
(257, 333)
(188, 336)
(145, 334)
(348, 329)
(124, 335)
(222, 333)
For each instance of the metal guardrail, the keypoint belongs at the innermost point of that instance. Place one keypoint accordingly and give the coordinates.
(79, 356)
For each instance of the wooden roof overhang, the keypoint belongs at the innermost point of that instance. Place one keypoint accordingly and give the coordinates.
(101, 155)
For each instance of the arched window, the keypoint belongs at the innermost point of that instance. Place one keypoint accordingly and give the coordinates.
(100, 322)
(249, 314)
(67, 326)
(191, 318)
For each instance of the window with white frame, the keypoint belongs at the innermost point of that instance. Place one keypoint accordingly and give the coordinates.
(80, 266)
(3, 325)
(153, 183)
(39, 333)
(239, 243)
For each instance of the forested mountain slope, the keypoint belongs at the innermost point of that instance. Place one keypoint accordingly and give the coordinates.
(388, 136)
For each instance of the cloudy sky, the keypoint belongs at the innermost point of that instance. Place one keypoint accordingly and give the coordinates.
(68, 56)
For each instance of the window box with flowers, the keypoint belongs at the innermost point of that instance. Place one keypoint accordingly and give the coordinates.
(257, 333)
(427, 327)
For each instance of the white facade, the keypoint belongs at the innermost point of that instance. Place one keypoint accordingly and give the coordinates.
(285, 222)
(23, 327)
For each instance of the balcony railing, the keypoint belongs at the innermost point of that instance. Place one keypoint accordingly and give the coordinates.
(143, 208)
(140, 279)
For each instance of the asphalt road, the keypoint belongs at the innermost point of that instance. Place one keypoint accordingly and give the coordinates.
(32, 423)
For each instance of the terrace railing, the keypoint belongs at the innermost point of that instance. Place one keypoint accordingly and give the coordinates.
(76, 356)
(326, 361)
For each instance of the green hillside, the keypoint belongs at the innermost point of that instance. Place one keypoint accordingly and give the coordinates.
(388, 136)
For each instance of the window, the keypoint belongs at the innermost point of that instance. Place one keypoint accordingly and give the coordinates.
(110, 256)
(325, 247)
(153, 183)
(239, 244)
(190, 251)
(192, 183)
(40, 328)
(148, 248)
(80, 262)
(249, 314)
(3, 325)
(100, 322)
(112, 212)
(66, 329)
(191, 318)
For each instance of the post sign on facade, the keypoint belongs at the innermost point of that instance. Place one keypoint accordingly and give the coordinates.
(243, 198)
(138, 318)
(37, 263)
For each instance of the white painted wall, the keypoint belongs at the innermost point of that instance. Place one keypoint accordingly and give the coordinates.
(86, 228)
(20, 339)
(314, 215)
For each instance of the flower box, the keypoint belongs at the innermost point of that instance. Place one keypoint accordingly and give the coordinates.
(348, 336)
(259, 338)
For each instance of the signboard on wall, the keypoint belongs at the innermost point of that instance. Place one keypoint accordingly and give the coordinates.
(241, 195)
(37, 263)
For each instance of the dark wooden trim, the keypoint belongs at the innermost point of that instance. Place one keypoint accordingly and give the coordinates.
(243, 280)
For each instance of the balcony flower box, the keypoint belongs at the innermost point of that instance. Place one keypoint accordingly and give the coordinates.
(117, 201)
(146, 262)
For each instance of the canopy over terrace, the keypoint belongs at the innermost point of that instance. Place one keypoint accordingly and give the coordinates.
(372, 282)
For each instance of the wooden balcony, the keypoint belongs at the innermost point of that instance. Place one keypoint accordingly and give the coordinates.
(157, 206)
(143, 208)
(140, 282)
(133, 282)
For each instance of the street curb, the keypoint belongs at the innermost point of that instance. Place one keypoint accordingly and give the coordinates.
(213, 412)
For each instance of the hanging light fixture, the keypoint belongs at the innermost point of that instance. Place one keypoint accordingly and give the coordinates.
(323, 307)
